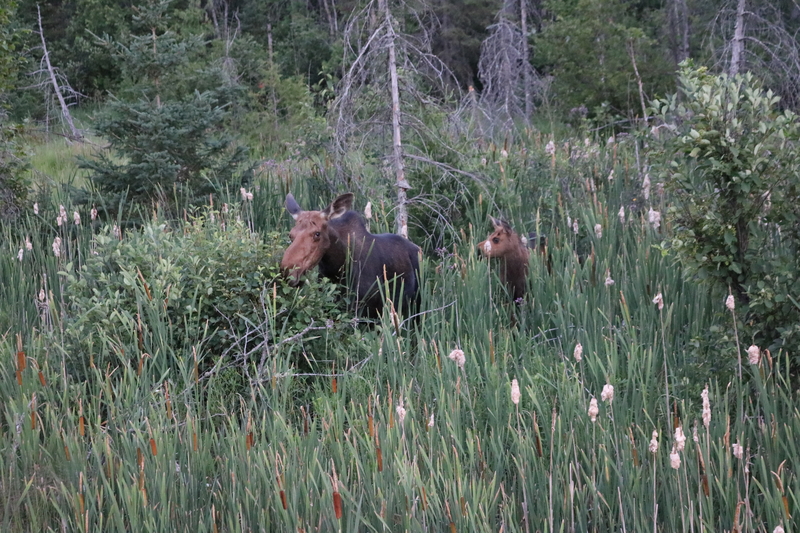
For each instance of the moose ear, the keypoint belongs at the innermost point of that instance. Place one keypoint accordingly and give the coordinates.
(292, 206)
(339, 206)
(496, 222)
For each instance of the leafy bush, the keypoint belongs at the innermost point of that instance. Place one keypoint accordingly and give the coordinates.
(733, 170)
(209, 286)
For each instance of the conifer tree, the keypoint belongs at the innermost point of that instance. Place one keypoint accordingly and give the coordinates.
(165, 127)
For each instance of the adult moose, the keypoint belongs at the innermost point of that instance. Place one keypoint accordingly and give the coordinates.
(337, 240)
(512, 251)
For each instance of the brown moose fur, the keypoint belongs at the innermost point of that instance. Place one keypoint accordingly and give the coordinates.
(512, 252)
(337, 240)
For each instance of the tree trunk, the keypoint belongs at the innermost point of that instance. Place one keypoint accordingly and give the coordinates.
(397, 142)
(737, 45)
(64, 109)
(523, 22)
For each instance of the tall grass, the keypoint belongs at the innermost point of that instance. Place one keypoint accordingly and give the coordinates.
(397, 436)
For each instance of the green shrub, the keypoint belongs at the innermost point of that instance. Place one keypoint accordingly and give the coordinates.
(208, 286)
(732, 169)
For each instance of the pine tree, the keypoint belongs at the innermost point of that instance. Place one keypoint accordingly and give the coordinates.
(165, 126)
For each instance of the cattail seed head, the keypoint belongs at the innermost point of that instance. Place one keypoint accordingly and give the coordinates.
(730, 303)
(578, 352)
(401, 411)
(680, 438)
(57, 246)
(646, 187)
(674, 459)
(459, 357)
(575, 226)
(430, 421)
(598, 231)
(654, 218)
(35, 208)
(654, 442)
(659, 301)
(608, 393)
(778, 529)
(737, 450)
(19, 254)
(609, 281)
(368, 210)
(28, 245)
(515, 394)
(621, 214)
(706, 407)
(550, 148)
(76, 218)
(594, 410)
(754, 354)
(93, 213)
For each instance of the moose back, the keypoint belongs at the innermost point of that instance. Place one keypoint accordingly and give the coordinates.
(337, 240)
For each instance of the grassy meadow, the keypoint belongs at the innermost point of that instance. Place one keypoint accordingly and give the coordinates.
(163, 378)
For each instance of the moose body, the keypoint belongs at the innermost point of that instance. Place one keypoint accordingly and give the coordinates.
(512, 252)
(337, 240)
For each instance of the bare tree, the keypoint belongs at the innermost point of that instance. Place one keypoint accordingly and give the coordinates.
(755, 36)
(678, 30)
(509, 81)
(57, 83)
(390, 78)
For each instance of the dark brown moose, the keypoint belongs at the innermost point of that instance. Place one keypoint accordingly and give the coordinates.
(512, 252)
(337, 240)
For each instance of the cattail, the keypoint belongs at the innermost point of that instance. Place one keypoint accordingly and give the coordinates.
(484, 161)
(706, 407)
(368, 210)
(674, 459)
(695, 436)
(459, 357)
(116, 231)
(680, 438)
(575, 226)
(503, 153)
(35, 208)
(42, 295)
(659, 301)
(646, 187)
(737, 450)
(76, 218)
(577, 353)
(598, 231)
(28, 245)
(93, 213)
(778, 529)
(593, 409)
(754, 354)
(730, 303)
(515, 394)
(654, 442)
(654, 218)
(611, 175)
(401, 411)
(57, 247)
(19, 254)
(610, 141)
(621, 214)
(608, 393)
(430, 421)
(609, 281)
(62, 215)
(550, 148)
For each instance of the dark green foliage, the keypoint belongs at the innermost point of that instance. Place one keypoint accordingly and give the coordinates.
(176, 147)
(166, 126)
(587, 45)
(733, 169)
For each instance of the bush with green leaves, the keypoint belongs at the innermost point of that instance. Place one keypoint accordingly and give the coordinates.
(733, 171)
(208, 286)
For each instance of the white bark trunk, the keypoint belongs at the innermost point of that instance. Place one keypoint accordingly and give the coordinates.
(397, 142)
(64, 109)
(523, 22)
(737, 45)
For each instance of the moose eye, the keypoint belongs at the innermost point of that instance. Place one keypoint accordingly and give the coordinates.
(316, 235)
(496, 240)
